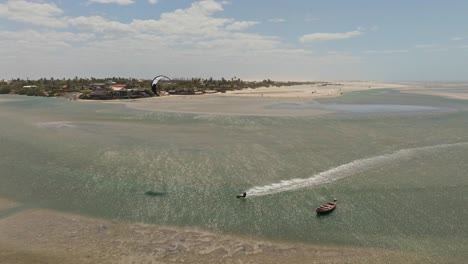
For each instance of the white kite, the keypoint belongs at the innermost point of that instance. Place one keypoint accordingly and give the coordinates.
(155, 82)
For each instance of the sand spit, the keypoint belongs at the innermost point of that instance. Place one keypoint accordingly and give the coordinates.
(451, 95)
(318, 90)
(45, 236)
(254, 101)
(258, 101)
(452, 90)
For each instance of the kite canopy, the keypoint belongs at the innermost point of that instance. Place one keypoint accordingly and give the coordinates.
(155, 82)
(157, 78)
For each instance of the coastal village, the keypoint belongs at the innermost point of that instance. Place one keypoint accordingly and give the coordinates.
(128, 88)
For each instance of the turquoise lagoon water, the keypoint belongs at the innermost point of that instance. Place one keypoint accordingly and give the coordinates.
(401, 177)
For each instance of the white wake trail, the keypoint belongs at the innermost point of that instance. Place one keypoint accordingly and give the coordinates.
(346, 170)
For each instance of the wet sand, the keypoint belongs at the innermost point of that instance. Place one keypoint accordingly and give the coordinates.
(253, 101)
(222, 105)
(258, 101)
(453, 90)
(318, 90)
(451, 94)
(45, 236)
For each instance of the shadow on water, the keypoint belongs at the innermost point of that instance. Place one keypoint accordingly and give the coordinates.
(325, 214)
(153, 193)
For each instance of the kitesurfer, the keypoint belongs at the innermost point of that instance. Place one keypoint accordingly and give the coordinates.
(244, 194)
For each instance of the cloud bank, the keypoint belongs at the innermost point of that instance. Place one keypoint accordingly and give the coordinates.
(191, 41)
(330, 36)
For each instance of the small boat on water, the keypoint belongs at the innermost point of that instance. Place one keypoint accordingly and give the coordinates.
(326, 208)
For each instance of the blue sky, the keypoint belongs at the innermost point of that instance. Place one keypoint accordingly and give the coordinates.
(250, 39)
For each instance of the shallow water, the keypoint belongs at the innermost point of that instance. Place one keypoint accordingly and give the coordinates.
(360, 108)
(400, 179)
(376, 102)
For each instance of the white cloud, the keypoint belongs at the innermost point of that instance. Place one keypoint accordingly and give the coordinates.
(240, 42)
(241, 25)
(119, 2)
(173, 43)
(38, 46)
(426, 46)
(195, 20)
(36, 13)
(385, 51)
(191, 28)
(153, 2)
(438, 49)
(206, 7)
(99, 24)
(331, 36)
(457, 38)
(277, 20)
(35, 36)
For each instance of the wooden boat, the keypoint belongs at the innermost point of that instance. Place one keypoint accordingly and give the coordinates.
(326, 208)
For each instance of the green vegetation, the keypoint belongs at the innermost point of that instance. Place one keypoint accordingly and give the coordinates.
(5, 90)
(118, 88)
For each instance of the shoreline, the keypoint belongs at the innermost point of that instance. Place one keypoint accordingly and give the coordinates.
(320, 89)
(252, 102)
(30, 234)
(449, 95)
(263, 101)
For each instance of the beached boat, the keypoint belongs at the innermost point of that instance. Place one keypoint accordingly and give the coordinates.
(326, 208)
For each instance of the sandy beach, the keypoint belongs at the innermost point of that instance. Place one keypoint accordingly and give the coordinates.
(46, 236)
(259, 101)
(317, 90)
(457, 90)
(254, 101)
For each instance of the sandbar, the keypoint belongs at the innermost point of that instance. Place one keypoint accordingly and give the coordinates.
(47, 236)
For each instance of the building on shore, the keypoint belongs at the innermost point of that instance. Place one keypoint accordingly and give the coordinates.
(98, 86)
(119, 90)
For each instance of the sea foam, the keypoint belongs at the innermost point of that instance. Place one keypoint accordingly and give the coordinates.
(346, 170)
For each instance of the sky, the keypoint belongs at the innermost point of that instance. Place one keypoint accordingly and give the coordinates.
(296, 40)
